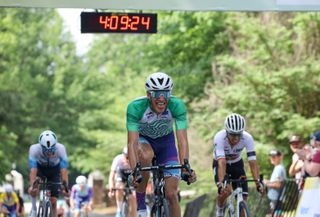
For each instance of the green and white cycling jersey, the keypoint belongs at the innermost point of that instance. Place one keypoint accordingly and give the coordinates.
(141, 118)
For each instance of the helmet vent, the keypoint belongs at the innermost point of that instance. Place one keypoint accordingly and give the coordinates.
(48, 144)
(160, 80)
(153, 82)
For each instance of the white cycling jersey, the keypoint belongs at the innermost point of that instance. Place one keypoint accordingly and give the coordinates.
(223, 149)
(120, 163)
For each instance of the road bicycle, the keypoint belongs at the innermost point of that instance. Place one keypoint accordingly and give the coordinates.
(236, 206)
(160, 207)
(127, 192)
(6, 213)
(45, 206)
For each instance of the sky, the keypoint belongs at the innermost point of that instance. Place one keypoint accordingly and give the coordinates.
(71, 19)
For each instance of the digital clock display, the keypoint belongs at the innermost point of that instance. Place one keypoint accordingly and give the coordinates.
(101, 22)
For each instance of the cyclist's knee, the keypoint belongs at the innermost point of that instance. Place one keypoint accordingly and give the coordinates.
(53, 202)
(145, 154)
(172, 195)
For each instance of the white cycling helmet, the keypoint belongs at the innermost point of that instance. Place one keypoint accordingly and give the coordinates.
(159, 81)
(125, 150)
(8, 188)
(81, 180)
(235, 124)
(48, 139)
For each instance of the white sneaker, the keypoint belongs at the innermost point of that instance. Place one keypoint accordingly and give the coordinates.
(142, 213)
(33, 213)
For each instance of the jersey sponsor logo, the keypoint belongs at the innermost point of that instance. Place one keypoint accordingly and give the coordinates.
(149, 115)
(238, 150)
(166, 112)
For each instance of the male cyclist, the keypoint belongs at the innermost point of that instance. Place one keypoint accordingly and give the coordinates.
(117, 178)
(47, 159)
(150, 132)
(228, 146)
(81, 197)
(9, 201)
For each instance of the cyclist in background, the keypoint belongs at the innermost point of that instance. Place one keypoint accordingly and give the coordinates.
(9, 201)
(117, 179)
(228, 146)
(81, 197)
(150, 122)
(48, 159)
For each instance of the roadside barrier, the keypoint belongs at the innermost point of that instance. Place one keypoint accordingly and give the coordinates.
(288, 199)
(193, 207)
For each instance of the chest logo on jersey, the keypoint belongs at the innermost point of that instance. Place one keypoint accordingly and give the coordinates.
(149, 115)
(164, 115)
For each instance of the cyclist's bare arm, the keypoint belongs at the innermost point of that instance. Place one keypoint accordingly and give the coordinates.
(1, 208)
(111, 179)
(111, 182)
(133, 139)
(18, 206)
(71, 203)
(183, 144)
(254, 169)
(222, 165)
(33, 175)
(64, 175)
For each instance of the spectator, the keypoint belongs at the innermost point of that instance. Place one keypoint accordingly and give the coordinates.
(277, 178)
(297, 164)
(312, 160)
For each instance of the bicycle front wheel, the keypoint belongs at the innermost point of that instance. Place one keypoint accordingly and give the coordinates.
(41, 209)
(165, 209)
(48, 210)
(125, 209)
(243, 209)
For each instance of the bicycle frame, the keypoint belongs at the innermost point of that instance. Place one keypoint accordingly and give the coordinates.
(237, 194)
(127, 191)
(45, 205)
(159, 205)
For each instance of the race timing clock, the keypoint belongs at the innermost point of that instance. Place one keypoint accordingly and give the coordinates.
(102, 22)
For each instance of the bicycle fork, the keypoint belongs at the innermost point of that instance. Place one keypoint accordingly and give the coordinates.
(239, 200)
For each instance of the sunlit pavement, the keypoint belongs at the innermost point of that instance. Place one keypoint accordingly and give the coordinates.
(97, 212)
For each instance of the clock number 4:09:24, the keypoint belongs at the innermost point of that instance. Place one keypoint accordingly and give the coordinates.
(126, 22)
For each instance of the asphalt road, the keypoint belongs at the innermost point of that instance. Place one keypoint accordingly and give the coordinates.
(98, 212)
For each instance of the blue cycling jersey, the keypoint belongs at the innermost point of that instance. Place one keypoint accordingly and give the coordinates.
(56, 155)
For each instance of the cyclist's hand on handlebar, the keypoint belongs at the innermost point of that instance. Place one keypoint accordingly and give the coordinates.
(111, 193)
(260, 187)
(188, 174)
(33, 191)
(135, 177)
